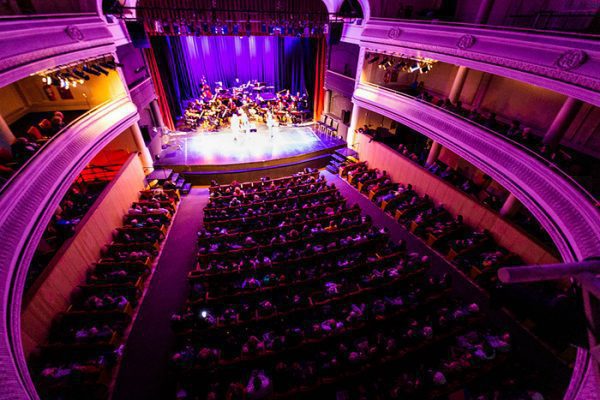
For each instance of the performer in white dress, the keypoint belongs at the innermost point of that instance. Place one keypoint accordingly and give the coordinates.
(270, 123)
(244, 121)
(235, 126)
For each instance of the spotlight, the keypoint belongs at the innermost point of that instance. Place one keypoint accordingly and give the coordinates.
(400, 65)
(80, 74)
(373, 60)
(385, 64)
(89, 70)
(425, 69)
(100, 69)
(414, 67)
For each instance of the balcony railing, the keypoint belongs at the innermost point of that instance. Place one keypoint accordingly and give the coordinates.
(531, 153)
(46, 145)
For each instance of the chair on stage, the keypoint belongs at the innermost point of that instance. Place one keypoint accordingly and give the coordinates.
(322, 124)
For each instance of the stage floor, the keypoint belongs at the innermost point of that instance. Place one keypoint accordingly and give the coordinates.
(221, 148)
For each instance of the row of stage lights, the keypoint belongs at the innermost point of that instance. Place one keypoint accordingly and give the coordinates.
(67, 76)
(204, 28)
(401, 64)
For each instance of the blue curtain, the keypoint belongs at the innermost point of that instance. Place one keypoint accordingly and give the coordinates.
(284, 62)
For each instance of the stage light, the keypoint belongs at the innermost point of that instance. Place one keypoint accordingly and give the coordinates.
(425, 68)
(89, 70)
(414, 67)
(400, 65)
(80, 74)
(385, 64)
(100, 69)
(374, 60)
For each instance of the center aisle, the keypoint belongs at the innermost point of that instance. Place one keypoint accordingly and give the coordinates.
(144, 367)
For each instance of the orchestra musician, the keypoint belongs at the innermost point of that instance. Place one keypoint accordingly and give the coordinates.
(238, 106)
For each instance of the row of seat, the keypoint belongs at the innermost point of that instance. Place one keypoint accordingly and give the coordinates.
(86, 341)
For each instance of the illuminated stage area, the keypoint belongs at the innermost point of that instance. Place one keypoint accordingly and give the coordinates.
(200, 154)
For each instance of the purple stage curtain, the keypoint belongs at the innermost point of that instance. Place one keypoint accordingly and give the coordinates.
(283, 62)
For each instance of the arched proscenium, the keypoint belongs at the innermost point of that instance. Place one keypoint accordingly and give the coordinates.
(26, 206)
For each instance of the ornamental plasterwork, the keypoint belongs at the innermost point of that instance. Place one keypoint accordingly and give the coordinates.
(74, 33)
(571, 59)
(466, 42)
(394, 33)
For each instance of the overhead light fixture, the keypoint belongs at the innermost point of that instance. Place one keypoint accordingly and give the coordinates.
(373, 60)
(414, 67)
(425, 68)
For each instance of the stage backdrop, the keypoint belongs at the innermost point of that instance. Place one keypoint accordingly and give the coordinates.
(284, 62)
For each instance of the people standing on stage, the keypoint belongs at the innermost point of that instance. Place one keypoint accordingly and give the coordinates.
(234, 121)
(214, 109)
(244, 121)
(270, 123)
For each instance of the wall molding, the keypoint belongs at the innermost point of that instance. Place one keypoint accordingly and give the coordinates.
(27, 203)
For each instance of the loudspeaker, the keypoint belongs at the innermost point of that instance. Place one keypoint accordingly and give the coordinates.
(346, 114)
(138, 34)
(335, 32)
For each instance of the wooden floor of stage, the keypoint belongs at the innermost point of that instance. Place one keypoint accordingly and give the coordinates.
(225, 148)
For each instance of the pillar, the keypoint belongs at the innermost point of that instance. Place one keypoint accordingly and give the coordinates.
(483, 13)
(510, 207)
(434, 153)
(327, 105)
(6, 134)
(145, 156)
(157, 114)
(350, 139)
(561, 122)
(457, 85)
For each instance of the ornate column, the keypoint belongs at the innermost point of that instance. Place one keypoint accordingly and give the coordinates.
(145, 156)
(434, 153)
(561, 122)
(353, 126)
(156, 112)
(510, 207)
(327, 105)
(457, 85)
(6, 134)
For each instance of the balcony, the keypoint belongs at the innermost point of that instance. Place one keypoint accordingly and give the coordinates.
(563, 62)
(27, 203)
(564, 208)
(34, 43)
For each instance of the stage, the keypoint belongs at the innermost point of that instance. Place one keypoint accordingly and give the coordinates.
(202, 156)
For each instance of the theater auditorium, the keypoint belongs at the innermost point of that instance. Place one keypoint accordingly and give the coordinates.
(299, 199)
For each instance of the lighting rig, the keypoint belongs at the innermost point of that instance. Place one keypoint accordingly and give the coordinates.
(77, 73)
(401, 63)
